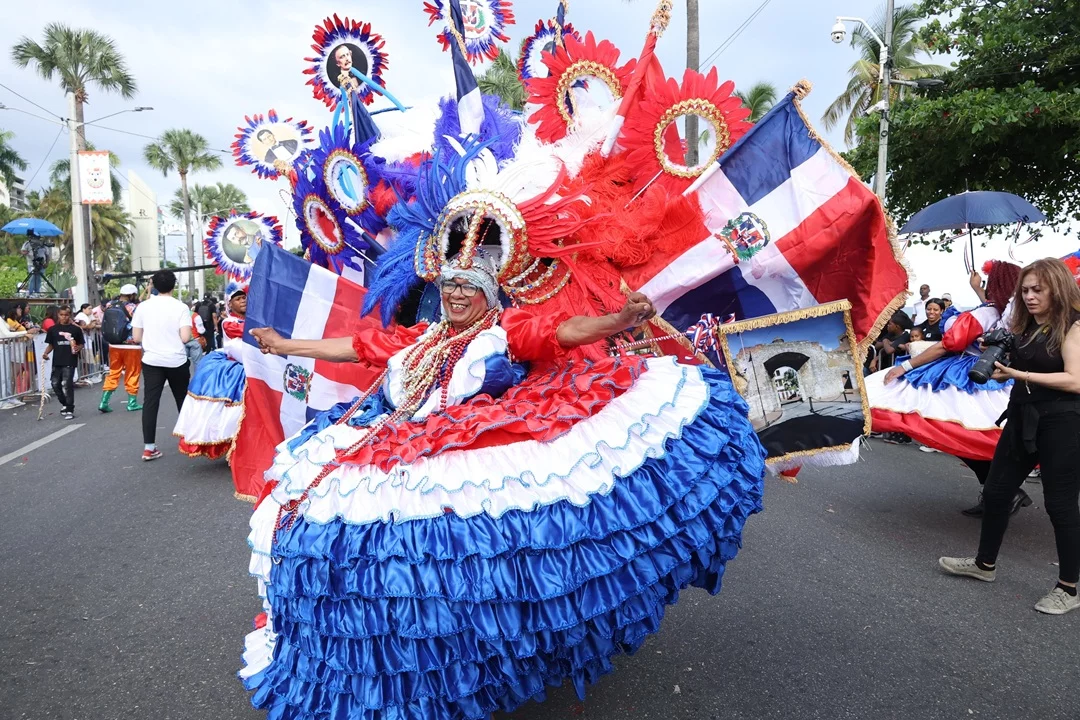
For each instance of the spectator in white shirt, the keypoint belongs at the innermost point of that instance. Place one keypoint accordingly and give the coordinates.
(919, 311)
(162, 324)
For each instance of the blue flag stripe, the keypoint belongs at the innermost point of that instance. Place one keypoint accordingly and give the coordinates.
(724, 295)
(277, 286)
(763, 159)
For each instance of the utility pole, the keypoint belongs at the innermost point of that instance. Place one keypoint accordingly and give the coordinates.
(84, 282)
(885, 75)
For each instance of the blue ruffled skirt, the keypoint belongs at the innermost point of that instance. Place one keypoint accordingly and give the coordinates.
(458, 616)
(951, 371)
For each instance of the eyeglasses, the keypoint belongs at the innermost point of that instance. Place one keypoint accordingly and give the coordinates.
(467, 290)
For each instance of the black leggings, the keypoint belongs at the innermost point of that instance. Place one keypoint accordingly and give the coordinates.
(154, 379)
(1058, 454)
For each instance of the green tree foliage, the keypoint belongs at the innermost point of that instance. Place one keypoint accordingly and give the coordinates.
(502, 80)
(759, 99)
(1008, 117)
(10, 161)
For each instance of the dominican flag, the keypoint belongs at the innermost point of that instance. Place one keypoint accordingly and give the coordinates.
(470, 104)
(300, 301)
(790, 227)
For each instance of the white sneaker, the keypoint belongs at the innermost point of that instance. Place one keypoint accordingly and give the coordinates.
(926, 449)
(1057, 602)
(967, 568)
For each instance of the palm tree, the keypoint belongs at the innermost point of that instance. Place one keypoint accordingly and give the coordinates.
(759, 99)
(60, 173)
(210, 200)
(863, 90)
(10, 161)
(79, 59)
(185, 152)
(502, 80)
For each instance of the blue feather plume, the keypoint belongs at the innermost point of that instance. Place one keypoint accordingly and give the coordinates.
(437, 184)
(501, 128)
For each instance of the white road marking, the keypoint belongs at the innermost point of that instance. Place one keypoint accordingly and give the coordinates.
(39, 443)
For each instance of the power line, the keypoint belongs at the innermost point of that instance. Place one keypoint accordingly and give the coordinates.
(39, 107)
(33, 115)
(45, 159)
(734, 35)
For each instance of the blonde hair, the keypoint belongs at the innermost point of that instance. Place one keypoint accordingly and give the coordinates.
(1064, 300)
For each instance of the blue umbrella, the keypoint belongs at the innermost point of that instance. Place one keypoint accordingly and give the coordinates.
(24, 226)
(973, 210)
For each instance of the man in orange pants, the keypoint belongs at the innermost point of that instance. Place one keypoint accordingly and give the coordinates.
(124, 355)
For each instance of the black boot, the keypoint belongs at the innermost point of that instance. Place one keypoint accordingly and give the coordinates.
(976, 511)
(1020, 500)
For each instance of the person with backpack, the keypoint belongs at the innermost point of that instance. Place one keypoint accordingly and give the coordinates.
(125, 355)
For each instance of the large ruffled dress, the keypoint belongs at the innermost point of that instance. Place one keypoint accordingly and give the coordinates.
(525, 534)
(210, 418)
(937, 404)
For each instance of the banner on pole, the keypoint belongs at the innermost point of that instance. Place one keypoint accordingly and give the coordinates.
(94, 178)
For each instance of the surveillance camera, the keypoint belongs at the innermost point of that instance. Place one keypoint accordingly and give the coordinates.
(839, 32)
(878, 107)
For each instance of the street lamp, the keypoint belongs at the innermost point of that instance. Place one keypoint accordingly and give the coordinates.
(884, 76)
(85, 289)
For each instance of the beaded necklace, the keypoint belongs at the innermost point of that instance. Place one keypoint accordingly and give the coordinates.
(429, 363)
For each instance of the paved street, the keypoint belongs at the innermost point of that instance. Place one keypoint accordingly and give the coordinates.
(125, 595)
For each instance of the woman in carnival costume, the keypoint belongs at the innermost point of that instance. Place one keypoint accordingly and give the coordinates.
(931, 398)
(210, 418)
(509, 505)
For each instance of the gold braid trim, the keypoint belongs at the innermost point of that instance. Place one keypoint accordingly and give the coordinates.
(660, 18)
(456, 35)
(785, 317)
(806, 453)
(246, 498)
(801, 90)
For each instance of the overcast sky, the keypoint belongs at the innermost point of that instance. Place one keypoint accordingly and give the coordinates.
(205, 64)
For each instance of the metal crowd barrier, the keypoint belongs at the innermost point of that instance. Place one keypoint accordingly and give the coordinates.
(20, 365)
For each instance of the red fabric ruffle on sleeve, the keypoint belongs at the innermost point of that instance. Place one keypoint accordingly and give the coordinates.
(963, 333)
(232, 328)
(375, 345)
(532, 336)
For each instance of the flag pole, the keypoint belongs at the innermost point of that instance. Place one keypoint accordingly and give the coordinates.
(657, 25)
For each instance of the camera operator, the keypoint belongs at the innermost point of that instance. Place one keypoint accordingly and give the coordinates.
(36, 251)
(1043, 427)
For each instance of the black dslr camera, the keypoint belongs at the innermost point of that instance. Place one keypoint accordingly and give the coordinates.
(998, 343)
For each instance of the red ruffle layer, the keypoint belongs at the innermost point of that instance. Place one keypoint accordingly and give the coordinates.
(541, 408)
(948, 437)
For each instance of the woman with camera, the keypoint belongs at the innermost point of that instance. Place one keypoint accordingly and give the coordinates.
(1043, 427)
(931, 398)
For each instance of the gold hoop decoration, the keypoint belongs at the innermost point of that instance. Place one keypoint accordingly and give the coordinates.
(475, 206)
(322, 225)
(567, 65)
(648, 134)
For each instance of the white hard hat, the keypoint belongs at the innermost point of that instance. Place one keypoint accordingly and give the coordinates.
(129, 289)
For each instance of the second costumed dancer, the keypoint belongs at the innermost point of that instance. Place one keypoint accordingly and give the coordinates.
(931, 398)
(210, 418)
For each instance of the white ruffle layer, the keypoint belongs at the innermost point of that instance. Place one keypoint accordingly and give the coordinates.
(975, 411)
(203, 422)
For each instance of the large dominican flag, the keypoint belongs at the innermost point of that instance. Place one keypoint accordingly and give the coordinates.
(791, 227)
(300, 301)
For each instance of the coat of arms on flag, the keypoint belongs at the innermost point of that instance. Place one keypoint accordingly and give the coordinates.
(297, 382)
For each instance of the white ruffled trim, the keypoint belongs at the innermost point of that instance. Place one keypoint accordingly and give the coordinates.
(258, 651)
(975, 411)
(586, 460)
(466, 380)
(206, 421)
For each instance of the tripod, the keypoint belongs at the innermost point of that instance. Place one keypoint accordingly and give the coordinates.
(39, 273)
